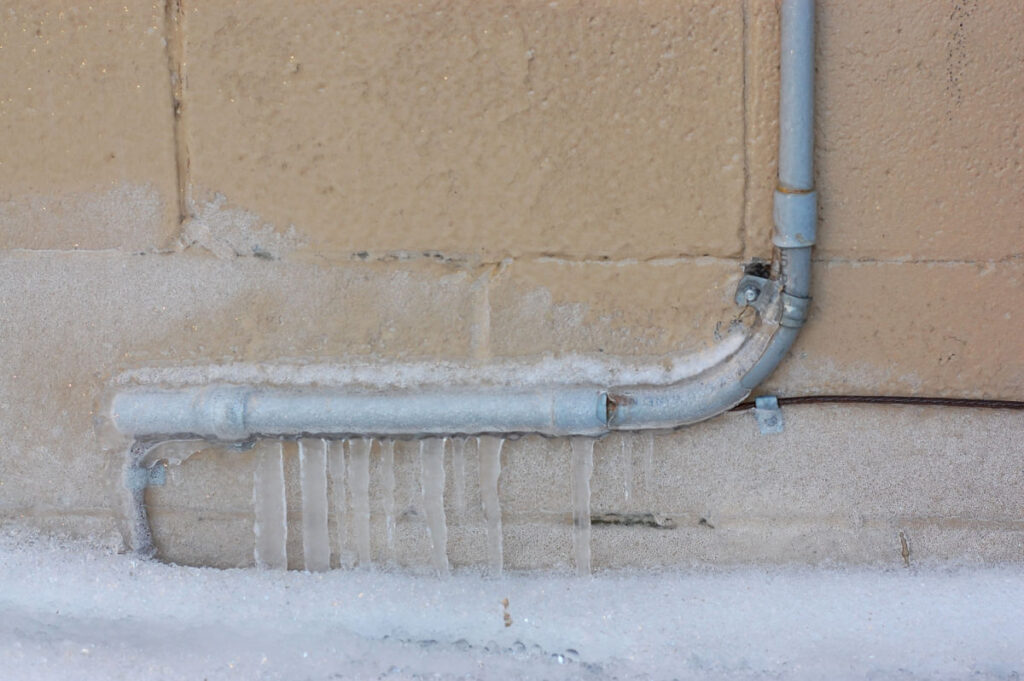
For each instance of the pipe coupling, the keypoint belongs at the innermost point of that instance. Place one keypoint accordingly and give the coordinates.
(796, 218)
(221, 411)
(794, 310)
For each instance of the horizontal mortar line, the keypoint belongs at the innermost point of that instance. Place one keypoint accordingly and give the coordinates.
(106, 252)
(168, 509)
(653, 260)
(68, 251)
(1012, 259)
(851, 518)
(389, 257)
(157, 511)
(53, 511)
(848, 521)
(512, 518)
(490, 261)
(458, 259)
(664, 258)
(691, 520)
(950, 523)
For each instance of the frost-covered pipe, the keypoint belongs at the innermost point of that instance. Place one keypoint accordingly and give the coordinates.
(234, 413)
(238, 413)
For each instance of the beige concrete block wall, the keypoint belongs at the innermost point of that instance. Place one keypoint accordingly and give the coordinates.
(215, 182)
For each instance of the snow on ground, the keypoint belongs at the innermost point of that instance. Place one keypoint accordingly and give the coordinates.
(71, 610)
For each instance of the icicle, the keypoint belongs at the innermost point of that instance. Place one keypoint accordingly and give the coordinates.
(336, 468)
(627, 470)
(490, 470)
(582, 467)
(359, 490)
(271, 526)
(316, 542)
(459, 471)
(387, 454)
(432, 481)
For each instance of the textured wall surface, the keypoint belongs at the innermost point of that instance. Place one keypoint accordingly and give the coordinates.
(212, 182)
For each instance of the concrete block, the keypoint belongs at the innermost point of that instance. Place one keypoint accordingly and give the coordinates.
(909, 328)
(88, 154)
(919, 118)
(761, 96)
(473, 128)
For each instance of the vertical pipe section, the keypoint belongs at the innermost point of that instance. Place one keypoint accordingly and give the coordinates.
(795, 209)
(796, 96)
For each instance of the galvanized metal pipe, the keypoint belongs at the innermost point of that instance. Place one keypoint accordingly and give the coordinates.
(238, 413)
(795, 209)
(234, 413)
(796, 96)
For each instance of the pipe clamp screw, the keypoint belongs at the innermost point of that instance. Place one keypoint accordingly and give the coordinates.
(749, 289)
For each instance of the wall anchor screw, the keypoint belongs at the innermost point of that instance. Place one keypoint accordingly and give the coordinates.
(749, 289)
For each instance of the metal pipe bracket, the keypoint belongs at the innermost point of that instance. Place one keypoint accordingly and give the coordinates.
(768, 415)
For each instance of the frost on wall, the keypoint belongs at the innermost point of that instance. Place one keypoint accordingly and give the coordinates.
(125, 216)
(234, 232)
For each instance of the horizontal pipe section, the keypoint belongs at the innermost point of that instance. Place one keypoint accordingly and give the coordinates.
(234, 413)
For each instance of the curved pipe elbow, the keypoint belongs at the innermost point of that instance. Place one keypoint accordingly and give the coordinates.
(722, 387)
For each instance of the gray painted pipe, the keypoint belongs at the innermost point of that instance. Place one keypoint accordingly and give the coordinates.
(796, 96)
(238, 413)
(235, 413)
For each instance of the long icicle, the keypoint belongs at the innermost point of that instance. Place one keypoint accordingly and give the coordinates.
(316, 542)
(336, 468)
(359, 490)
(387, 457)
(271, 511)
(459, 474)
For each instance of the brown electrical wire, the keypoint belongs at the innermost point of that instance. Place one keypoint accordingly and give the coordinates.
(891, 399)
